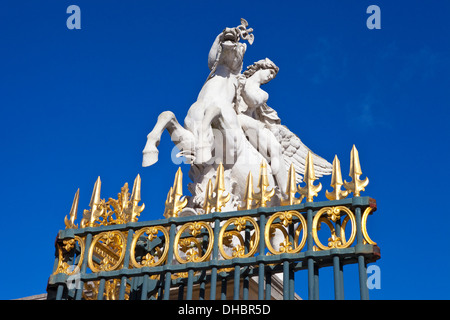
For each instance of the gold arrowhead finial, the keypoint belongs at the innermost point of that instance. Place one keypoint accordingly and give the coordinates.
(291, 189)
(336, 182)
(218, 200)
(208, 195)
(132, 210)
(263, 196)
(97, 206)
(70, 223)
(249, 194)
(310, 190)
(356, 185)
(173, 203)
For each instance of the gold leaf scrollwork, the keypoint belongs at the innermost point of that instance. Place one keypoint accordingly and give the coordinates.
(192, 246)
(111, 291)
(286, 219)
(108, 251)
(66, 250)
(157, 255)
(226, 238)
(328, 215)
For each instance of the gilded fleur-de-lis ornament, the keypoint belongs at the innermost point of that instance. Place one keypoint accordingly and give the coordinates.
(356, 185)
(310, 190)
(97, 206)
(291, 189)
(174, 204)
(336, 182)
(263, 196)
(70, 223)
(249, 197)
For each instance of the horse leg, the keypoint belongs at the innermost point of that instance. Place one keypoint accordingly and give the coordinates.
(166, 120)
(203, 151)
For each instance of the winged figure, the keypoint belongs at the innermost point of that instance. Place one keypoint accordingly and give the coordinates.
(263, 128)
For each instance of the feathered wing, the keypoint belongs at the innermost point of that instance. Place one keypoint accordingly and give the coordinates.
(294, 151)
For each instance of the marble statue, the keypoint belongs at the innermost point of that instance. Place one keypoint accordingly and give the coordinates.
(231, 123)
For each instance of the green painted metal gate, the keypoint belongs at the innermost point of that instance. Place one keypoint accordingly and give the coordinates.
(201, 254)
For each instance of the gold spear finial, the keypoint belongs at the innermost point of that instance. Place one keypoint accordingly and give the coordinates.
(97, 207)
(248, 201)
(218, 200)
(173, 203)
(356, 185)
(336, 182)
(263, 196)
(70, 223)
(291, 189)
(208, 194)
(132, 210)
(310, 190)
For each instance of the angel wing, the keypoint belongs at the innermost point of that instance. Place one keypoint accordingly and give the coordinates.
(294, 151)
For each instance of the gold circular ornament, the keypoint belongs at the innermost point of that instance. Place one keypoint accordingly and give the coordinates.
(364, 225)
(328, 215)
(109, 248)
(227, 236)
(285, 220)
(159, 256)
(191, 246)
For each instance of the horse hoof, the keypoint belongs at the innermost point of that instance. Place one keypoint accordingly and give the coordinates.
(149, 158)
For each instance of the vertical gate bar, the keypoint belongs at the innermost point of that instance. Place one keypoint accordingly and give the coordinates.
(159, 292)
(201, 295)
(268, 285)
(291, 232)
(286, 291)
(310, 244)
(337, 268)
(87, 245)
(245, 289)
(362, 267)
(213, 282)
(168, 274)
(237, 278)
(261, 249)
(59, 292)
(223, 289)
(261, 281)
(364, 290)
(101, 289)
(338, 285)
(291, 283)
(316, 283)
(341, 278)
(126, 262)
(56, 261)
(215, 257)
(181, 291)
(144, 290)
(190, 284)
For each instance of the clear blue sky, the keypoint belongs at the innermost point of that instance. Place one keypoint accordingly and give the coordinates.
(78, 104)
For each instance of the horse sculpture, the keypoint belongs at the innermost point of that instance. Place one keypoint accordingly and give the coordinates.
(216, 130)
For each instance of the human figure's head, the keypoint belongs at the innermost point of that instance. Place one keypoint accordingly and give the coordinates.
(264, 69)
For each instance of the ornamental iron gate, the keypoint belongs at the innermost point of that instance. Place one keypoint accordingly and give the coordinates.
(218, 255)
(138, 260)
